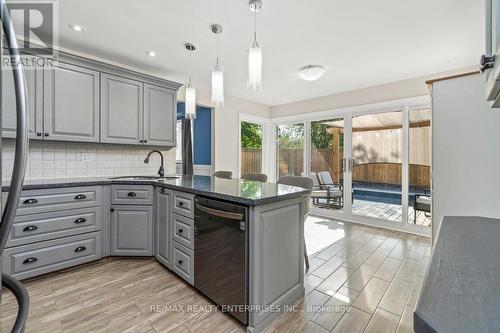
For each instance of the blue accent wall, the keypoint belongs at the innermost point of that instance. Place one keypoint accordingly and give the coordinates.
(202, 130)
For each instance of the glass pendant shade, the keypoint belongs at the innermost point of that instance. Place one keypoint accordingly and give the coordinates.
(255, 67)
(218, 86)
(190, 112)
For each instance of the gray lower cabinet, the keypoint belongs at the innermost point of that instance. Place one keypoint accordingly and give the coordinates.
(163, 226)
(122, 110)
(34, 86)
(160, 112)
(71, 103)
(131, 230)
(43, 257)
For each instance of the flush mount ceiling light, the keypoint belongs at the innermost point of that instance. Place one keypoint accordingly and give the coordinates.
(312, 72)
(217, 73)
(77, 27)
(190, 106)
(151, 53)
(255, 53)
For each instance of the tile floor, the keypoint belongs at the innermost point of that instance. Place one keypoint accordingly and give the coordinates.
(361, 279)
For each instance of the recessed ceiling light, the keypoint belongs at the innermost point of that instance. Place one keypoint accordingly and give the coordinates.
(312, 72)
(77, 27)
(151, 53)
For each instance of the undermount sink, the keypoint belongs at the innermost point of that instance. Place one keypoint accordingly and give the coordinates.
(145, 177)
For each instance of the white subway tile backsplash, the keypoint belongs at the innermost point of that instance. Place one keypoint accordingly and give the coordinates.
(58, 160)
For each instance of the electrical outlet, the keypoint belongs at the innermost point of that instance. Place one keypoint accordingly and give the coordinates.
(87, 157)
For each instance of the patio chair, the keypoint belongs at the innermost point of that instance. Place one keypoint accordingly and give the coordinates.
(307, 183)
(258, 177)
(223, 174)
(422, 202)
(335, 190)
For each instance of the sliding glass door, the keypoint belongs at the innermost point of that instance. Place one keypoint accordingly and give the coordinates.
(370, 167)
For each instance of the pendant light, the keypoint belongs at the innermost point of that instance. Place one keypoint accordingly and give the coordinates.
(190, 106)
(255, 53)
(217, 73)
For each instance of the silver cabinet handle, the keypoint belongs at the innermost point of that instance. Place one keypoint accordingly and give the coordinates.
(220, 213)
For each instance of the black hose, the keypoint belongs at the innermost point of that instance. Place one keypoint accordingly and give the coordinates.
(23, 301)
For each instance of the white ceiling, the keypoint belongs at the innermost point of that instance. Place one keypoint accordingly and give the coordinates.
(361, 43)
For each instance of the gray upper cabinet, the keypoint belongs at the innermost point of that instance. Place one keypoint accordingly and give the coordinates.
(131, 230)
(34, 87)
(163, 226)
(159, 116)
(122, 110)
(71, 103)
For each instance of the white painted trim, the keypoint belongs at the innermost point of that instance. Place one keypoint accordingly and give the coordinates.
(202, 170)
(405, 165)
(412, 103)
(266, 140)
(378, 223)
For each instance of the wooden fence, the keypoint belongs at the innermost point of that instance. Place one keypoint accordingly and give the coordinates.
(291, 162)
(251, 161)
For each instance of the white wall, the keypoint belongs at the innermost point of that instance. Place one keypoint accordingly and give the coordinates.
(466, 150)
(226, 125)
(387, 92)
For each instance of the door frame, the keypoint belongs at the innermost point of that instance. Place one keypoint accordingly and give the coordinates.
(265, 123)
(404, 105)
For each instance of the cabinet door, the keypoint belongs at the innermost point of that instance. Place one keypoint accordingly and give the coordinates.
(163, 226)
(159, 115)
(131, 230)
(34, 86)
(122, 110)
(71, 103)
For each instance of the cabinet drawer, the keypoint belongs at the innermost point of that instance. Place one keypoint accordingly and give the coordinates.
(44, 257)
(40, 227)
(183, 230)
(183, 262)
(49, 200)
(131, 195)
(183, 204)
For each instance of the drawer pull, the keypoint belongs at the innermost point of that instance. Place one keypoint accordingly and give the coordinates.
(30, 228)
(132, 194)
(80, 197)
(80, 249)
(180, 203)
(80, 220)
(181, 231)
(30, 201)
(180, 261)
(30, 260)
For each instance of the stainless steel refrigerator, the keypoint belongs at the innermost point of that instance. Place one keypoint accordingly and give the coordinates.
(10, 51)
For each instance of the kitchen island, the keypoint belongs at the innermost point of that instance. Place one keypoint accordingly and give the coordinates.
(91, 218)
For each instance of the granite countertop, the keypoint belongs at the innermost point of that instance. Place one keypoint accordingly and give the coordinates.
(461, 291)
(235, 190)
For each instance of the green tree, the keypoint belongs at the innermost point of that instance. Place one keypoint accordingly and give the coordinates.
(291, 136)
(251, 136)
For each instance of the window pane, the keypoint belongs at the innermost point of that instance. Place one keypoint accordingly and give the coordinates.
(327, 153)
(377, 150)
(290, 150)
(419, 158)
(251, 148)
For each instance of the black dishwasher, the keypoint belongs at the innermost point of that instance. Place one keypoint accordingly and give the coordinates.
(220, 256)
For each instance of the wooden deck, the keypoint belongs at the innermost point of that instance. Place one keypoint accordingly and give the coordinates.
(386, 211)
